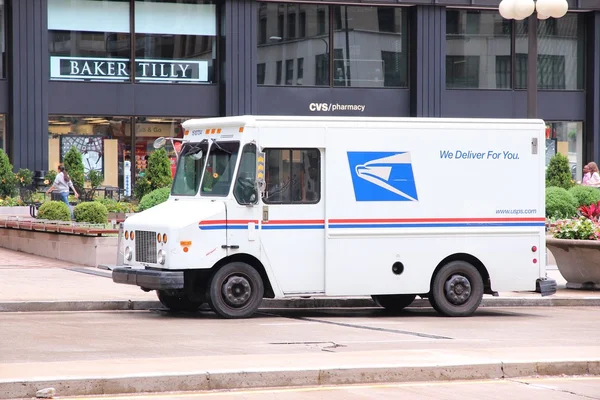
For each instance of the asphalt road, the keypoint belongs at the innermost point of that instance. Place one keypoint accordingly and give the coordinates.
(570, 388)
(72, 336)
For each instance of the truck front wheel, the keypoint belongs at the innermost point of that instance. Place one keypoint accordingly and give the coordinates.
(394, 302)
(457, 289)
(177, 302)
(236, 290)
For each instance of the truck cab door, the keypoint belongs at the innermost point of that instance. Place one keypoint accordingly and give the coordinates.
(292, 222)
(242, 215)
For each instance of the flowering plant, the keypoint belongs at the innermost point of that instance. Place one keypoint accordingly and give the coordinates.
(586, 226)
(581, 228)
(24, 177)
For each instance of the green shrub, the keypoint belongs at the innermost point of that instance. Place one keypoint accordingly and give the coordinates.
(24, 177)
(117, 206)
(7, 177)
(92, 212)
(95, 178)
(585, 195)
(73, 163)
(154, 198)
(142, 188)
(558, 172)
(50, 177)
(159, 170)
(560, 203)
(55, 211)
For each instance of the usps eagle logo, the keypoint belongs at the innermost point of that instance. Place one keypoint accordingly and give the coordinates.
(382, 176)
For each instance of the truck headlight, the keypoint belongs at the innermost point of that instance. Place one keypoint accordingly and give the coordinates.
(128, 253)
(162, 257)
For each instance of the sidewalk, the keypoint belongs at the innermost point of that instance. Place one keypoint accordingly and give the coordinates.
(32, 283)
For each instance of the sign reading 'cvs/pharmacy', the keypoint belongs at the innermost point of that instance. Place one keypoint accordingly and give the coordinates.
(85, 68)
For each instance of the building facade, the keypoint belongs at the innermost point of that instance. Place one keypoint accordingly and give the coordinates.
(109, 76)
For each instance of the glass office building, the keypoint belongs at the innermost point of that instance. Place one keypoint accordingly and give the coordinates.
(109, 76)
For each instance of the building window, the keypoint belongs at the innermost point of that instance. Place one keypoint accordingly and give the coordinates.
(292, 176)
(311, 42)
(90, 40)
(473, 47)
(147, 129)
(369, 45)
(279, 66)
(462, 72)
(260, 71)
(289, 72)
(300, 73)
(566, 138)
(291, 22)
(104, 142)
(561, 53)
(180, 50)
(302, 25)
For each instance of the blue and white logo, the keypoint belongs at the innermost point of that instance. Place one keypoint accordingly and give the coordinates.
(382, 176)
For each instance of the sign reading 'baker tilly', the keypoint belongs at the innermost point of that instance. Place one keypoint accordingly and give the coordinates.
(78, 68)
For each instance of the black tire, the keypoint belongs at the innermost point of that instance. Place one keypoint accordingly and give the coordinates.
(394, 302)
(457, 289)
(236, 291)
(177, 303)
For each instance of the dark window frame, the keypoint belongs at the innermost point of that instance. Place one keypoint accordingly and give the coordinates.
(216, 44)
(517, 69)
(327, 64)
(291, 151)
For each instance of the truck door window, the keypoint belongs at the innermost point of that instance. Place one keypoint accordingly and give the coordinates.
(293, 176)
(245, 190)
(220, 166)
(189, 169)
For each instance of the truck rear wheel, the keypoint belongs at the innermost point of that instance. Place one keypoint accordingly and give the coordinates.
(236, 290)
(457, 289)
(394, 302)
(177, 302)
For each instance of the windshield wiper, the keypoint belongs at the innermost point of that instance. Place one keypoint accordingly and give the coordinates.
(219, 147)
(193, 147)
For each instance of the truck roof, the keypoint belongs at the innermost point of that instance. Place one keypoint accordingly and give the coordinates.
(259, 120)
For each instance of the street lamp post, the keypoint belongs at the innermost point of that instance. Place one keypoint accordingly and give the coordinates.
(533, 10)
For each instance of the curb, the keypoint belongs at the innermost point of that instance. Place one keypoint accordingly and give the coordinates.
(128, 305)
(262, 378)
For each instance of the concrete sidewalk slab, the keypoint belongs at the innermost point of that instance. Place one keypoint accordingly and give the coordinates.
(31, 283)
(20, 380)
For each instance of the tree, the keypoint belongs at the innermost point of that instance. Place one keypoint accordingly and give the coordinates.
(558, 172)
(7, 176)
(159, 170)
(73, 163)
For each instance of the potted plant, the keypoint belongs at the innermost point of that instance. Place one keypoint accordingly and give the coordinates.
(575, 244)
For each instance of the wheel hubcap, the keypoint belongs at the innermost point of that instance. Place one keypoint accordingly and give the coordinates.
(457, 289)
(236, 291)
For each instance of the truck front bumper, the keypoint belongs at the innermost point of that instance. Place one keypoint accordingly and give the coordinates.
(148, 279)
(546, 287)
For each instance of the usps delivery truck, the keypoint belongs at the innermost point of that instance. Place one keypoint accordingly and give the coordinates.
(392, 208)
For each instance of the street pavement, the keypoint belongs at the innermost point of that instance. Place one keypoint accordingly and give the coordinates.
(143, 348)
(563, 388)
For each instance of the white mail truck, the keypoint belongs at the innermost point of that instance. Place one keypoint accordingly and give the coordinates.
(392, 208)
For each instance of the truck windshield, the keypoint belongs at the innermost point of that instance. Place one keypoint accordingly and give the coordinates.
(189, 169)
(220, 166)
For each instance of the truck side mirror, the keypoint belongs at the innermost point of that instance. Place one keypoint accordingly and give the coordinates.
(159, 142)
(260, 172)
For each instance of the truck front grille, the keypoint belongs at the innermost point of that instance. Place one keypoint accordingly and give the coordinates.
(145, 247)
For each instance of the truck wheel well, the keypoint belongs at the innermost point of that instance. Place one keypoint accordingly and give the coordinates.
(485, 276)
(255, 263)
